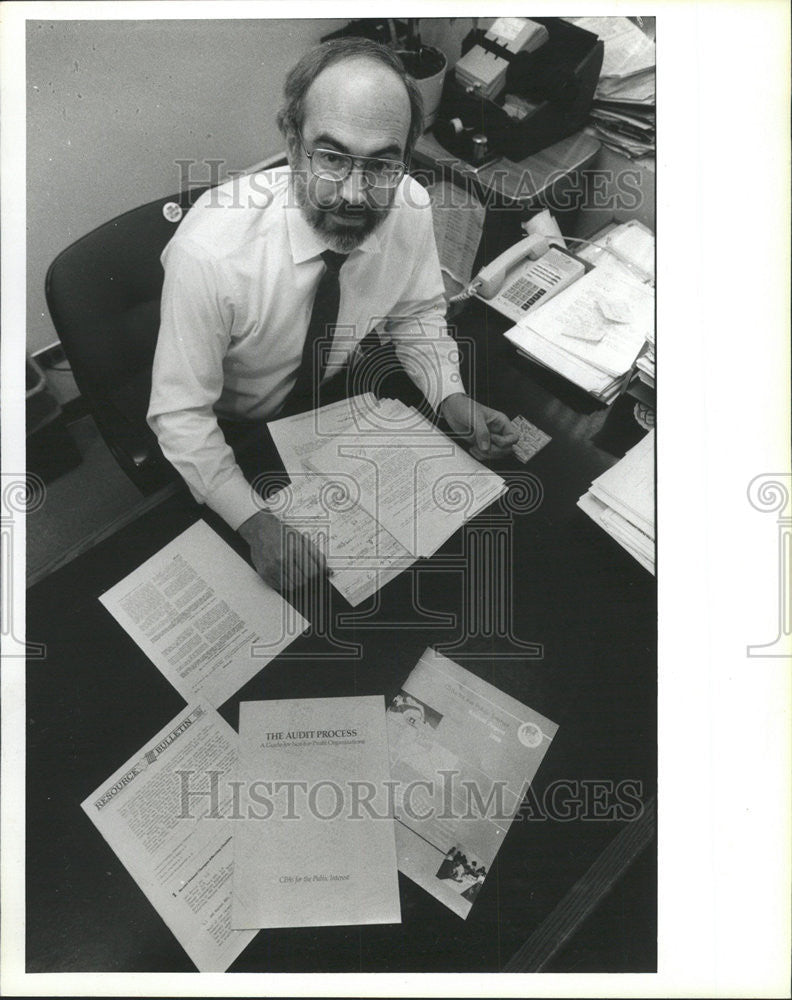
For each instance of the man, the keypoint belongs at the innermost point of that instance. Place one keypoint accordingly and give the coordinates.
(248, 280)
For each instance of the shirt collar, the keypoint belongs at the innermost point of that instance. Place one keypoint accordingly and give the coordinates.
(306, 243)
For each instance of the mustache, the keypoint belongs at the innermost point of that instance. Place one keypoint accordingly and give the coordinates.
(346, 208)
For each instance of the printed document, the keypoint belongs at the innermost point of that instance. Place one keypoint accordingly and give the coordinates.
(315, 845)
(375, 485)
(361, 554)
(463, 755)
(162, 813)
(419, 485)
(298, 437)
(458, 220)
(603, 319)
(203, 616)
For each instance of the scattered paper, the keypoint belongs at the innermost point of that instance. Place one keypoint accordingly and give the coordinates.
(307, 852)
(627, 49)
(420, 493)
(360, 553)
(456, 741)
(203, 616)
(298, 437)
(182, 861)
(577, 309)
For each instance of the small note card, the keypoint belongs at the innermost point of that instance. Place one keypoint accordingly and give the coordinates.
(531, 439)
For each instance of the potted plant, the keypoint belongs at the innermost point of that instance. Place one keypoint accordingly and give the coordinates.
(427, 66)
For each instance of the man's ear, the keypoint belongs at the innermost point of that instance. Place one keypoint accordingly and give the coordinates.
(292, 145)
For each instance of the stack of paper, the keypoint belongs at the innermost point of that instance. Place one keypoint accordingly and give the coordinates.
(645, 364)
(633, 245)
(624, 103)
(593, 331)
(376, 486)
(621, 500)
(458, 219)
(629, 243)
(629, 130)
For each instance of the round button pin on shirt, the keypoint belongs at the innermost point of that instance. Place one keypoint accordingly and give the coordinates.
(172, 211)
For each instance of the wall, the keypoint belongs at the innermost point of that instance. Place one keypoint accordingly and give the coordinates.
(112, 105)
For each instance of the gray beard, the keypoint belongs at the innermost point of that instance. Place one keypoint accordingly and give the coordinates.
(335, 235)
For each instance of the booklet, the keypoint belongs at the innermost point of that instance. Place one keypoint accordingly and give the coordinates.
(164, 813)
(314, 842)
(463, 755)
(203, 616)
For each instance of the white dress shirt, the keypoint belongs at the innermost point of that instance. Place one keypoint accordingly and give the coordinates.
(241, 273)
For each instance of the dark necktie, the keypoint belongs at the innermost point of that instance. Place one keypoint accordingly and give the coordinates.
(324, 317)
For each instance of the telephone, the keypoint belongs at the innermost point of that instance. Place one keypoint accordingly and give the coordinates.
(525, 276)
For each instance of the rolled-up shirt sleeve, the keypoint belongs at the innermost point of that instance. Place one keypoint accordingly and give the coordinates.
(187, 381)
(417, 325)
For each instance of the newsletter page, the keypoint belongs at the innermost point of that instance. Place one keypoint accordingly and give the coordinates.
(165, 814)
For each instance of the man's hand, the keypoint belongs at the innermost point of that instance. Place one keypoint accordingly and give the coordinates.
(489, 432)
(283, 557)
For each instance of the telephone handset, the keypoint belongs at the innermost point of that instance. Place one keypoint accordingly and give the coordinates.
(525, 276)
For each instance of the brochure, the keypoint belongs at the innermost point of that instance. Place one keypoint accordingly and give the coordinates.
(314, 842)
(462, 756)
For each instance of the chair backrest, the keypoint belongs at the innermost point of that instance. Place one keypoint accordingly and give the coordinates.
(103, 294)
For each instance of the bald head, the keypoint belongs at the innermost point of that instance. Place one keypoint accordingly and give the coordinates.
(360, 68)
(363, 105)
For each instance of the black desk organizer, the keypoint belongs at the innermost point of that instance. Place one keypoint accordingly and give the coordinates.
(559, 79)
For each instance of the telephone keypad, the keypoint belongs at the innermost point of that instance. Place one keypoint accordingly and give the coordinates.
(524, 293)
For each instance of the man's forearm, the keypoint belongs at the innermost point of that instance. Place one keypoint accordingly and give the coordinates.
(197, 449)
(429, 355)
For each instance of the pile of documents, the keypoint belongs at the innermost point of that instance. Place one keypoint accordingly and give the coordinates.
(377, 486)
(626, 128)
(622, 502)
(383, 487)
(594, 330)
(645, 365)
(304, 817)
(624, 103)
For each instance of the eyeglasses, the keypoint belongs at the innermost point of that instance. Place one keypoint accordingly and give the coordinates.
(330, 165)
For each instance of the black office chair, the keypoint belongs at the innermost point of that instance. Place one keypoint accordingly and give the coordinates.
(103, 293)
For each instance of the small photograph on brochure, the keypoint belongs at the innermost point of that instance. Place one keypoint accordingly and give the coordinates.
(462, 872)
(414, 712)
